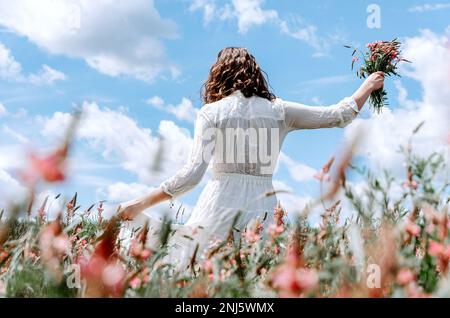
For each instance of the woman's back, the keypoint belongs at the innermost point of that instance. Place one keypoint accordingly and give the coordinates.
(247, 134)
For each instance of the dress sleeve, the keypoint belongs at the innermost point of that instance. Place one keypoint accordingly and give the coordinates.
(202, 150)
(298, 116)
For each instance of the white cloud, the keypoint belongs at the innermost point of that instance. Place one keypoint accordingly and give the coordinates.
(185, 110)
(114, 37)
(308, 34)
(292, 202)
(55, 204)
(46, 76)
(250, 13)
(207, 6)
(119, 139)
(11, 70)
(12, 156)
(429, 7)
(12, 191)
(247, 13)
(156, 101)
(9, 67)
(121, 192)
(15, 134)
(297, 171)
(3, 111)
(430, 54)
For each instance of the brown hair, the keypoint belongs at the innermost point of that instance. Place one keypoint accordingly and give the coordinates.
(235, 69)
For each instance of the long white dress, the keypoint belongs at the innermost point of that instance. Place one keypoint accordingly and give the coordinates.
(240, 138)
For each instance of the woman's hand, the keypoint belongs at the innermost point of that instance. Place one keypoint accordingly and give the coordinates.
(129, 210)
(375, 81)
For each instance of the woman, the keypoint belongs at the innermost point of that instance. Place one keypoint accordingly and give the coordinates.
(240, 129)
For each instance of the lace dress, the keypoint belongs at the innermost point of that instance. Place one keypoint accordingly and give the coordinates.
(240, 139)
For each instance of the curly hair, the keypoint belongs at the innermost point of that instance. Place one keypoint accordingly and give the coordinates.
(235, 69)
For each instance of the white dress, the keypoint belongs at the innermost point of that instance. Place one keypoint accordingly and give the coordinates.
(240, 138)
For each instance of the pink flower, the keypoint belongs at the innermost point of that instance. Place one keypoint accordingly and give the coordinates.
(275, 231)
(208, 266)
(252, 233)
(355, 59)
(405, 276)
(307, 279)
(278, 214)
(446, 253)
(100, 208)
(251, 237)
(322, 176)
(135, 283)
(60, 244)
(291, 281)
(113, 277)
(413, 229)
(410, 184)
(145, 254)
(2, 288)
(436, 249)
(286, 280)
(50, 168)
(135, 248)
(277, 250)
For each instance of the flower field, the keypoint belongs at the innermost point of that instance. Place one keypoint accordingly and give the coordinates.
(390, 247)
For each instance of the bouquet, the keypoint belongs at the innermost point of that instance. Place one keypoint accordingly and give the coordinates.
(382, 56)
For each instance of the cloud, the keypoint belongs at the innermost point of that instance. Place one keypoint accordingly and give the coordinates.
(14, 134)
(250, 13)
(3, 111)
(247, 13)
(185, 110)
(46, 76)
(308, 34)
(55, 204)
(207, 6)
(119, 139)
(429, 7)
(11, 70)
(297, 171)
(12, 191)
(292, 202)
(9, 67)
(430, 54)
(120, 192)
(114, 37)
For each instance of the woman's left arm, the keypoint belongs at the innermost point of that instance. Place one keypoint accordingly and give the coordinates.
(298, 116)
(186, 178)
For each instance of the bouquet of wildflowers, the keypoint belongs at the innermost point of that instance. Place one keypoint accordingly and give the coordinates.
(382, 56)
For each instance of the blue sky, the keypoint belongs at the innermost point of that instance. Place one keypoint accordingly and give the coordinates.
(298, 43)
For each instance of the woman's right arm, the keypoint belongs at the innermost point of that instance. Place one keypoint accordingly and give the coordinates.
(298, 116)
(186, 178)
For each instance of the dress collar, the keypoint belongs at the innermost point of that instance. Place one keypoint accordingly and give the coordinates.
(237, 93)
